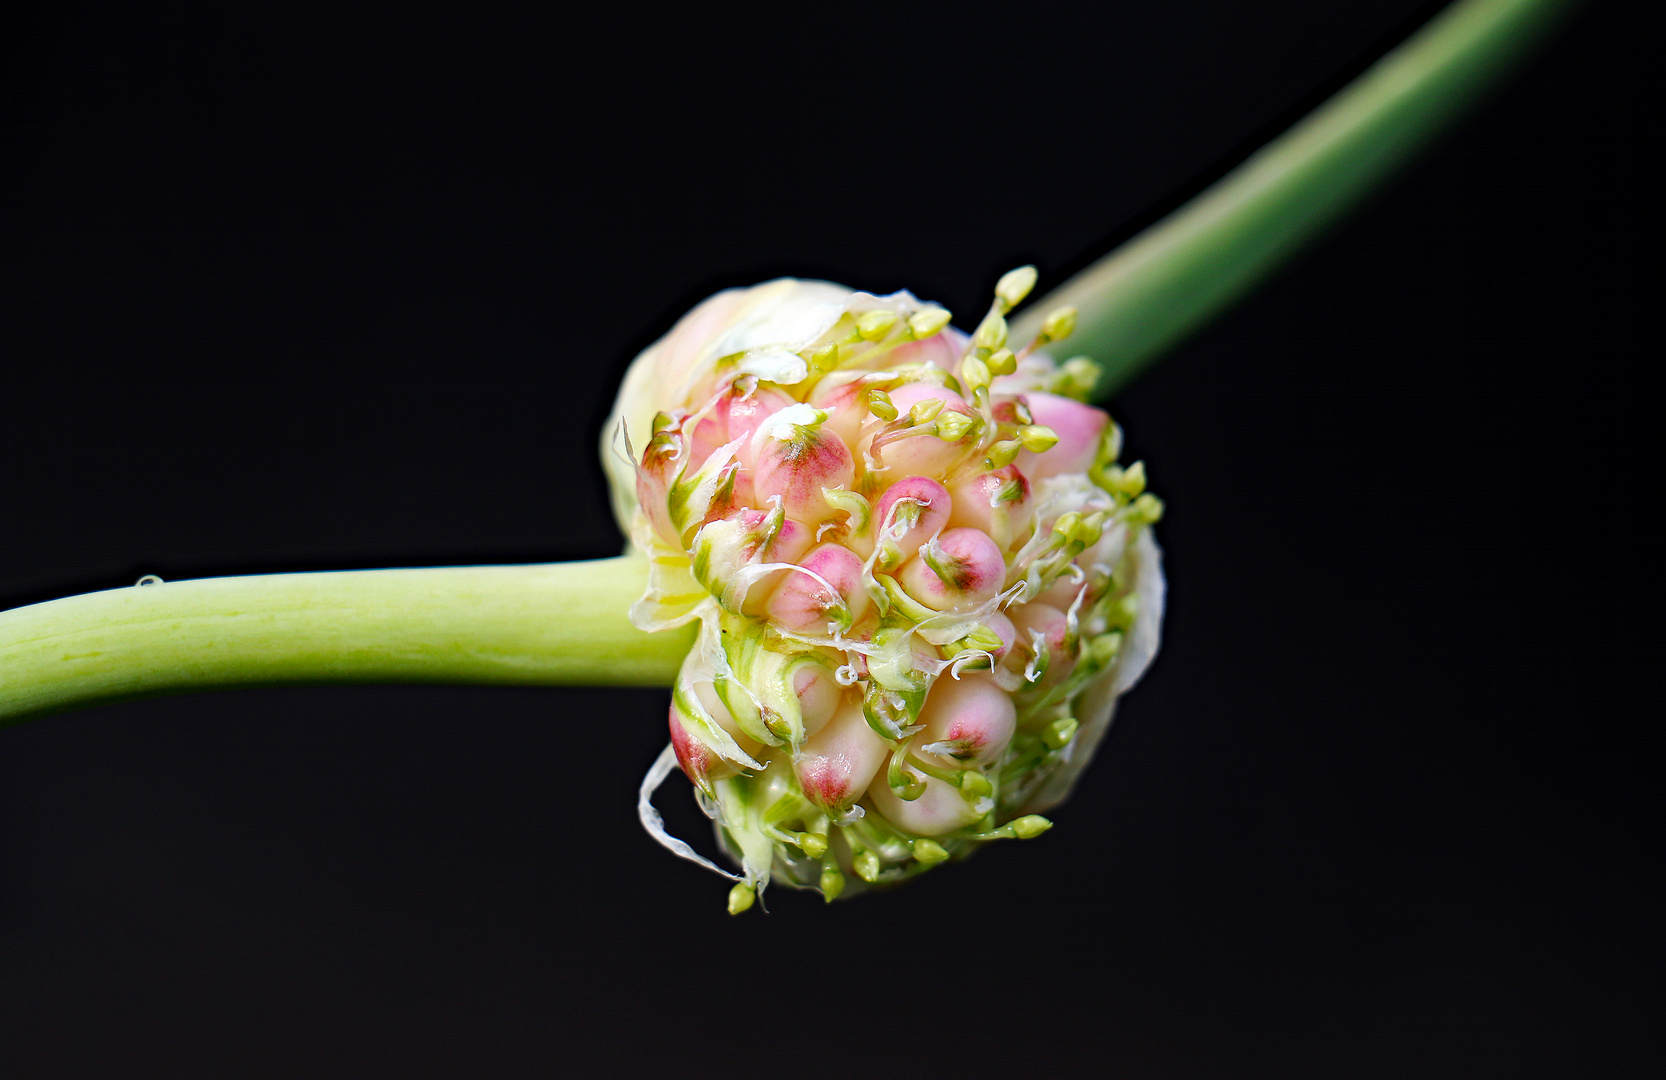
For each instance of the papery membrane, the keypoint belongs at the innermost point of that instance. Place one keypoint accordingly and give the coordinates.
(664, 766)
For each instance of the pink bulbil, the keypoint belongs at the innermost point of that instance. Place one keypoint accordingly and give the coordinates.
(662, 462)
(969, 718)
(699, 762)
(735, 415)
(839, 761)
(818, 695)
(1053, 626)
(997, 503)
(928, 505)
(788, 544)
(941, 808)
(793, 457)
(804, 604)
(845, 401)
(969, 569)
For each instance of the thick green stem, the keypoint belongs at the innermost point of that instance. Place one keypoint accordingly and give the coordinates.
(1168, 281)
(550, 624)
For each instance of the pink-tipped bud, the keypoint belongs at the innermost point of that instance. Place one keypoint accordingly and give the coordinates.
(969, 719)
(789, 544)
(662, 462)
(997, 503)
(700, 762)
(1053, 628)
(960, 567)
(925, 454)
(1078, 427)
(793, 457)
(941, 808)
(839, 762)
(910, 512)
(736, 415)
(808, 604)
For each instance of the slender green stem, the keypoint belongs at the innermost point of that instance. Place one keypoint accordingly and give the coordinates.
(565, 623)
(550, 624)
(1168, 281)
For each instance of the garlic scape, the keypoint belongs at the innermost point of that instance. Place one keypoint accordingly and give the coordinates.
(896, 575)
(919, 576)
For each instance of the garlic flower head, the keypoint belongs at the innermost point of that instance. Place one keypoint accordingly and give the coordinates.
(920, 576)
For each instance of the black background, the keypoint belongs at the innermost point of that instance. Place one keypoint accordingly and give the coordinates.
(288, 292)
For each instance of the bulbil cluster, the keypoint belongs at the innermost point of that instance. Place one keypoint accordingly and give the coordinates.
(921, 578)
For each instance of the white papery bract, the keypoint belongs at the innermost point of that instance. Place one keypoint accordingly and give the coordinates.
(920, 576)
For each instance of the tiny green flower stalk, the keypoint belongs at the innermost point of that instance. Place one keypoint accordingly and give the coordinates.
(919, 576)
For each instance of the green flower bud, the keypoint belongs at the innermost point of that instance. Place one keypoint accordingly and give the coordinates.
(874, 325)
(1059, 324)
(929, 851)
(1002, 362)
(1015, 285)
(923, 411)
(1076, 378)
(1004, 453)
(928, 323)
(1030, 826)
(953, 426)
(991, 334)
(1148, 509)
(1037, 439)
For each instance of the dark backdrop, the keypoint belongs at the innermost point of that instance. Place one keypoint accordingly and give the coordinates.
(290, 292)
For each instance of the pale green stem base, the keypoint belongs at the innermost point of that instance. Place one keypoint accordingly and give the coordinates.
(1144, 297)
(551, 624)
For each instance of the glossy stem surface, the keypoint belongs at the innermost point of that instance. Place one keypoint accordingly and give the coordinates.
(547, 624)
(1167, 282)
